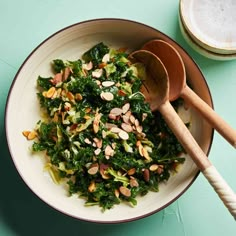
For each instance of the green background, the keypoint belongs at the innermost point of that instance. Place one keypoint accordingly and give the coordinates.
(198, 212)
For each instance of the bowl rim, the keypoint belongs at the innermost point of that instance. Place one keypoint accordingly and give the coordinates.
(24, 63)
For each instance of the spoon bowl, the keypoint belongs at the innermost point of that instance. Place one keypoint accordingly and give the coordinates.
(179, 88)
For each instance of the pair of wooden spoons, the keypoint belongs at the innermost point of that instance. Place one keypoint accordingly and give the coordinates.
(165, 83)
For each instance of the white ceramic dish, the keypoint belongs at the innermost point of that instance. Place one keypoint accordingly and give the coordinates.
(22, 104)
(203, 51)
(211, 24)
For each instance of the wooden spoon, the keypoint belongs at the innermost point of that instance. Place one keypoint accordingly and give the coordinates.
(157, 92)
(178, 87)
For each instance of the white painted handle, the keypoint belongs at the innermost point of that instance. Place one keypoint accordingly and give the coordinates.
(223, 190)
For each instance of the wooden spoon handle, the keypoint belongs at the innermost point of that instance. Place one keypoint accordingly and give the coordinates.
(210, 115)
(184, 136)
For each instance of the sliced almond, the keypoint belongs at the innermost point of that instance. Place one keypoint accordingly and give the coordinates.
(109, 151)
(56, 79)
(112, 116)
(126, 119)
(92, 187)
(86, 140)
(146, 175)
(66, 73)
(108, 96)
(70, 96)
(131, 171)
(123, 135)
(125, 108)
(78, 97)
(139, 129)
(110, 125)
(98, 142)
(145, 154)
(93, 169)
(96, 122)
(117, 193)
(132, 119)
(125, 191)
(126, 127)
(67, 106)
(88, 66)
(133, 182)
(97, 151)
(115, 130)
(153, 167)
(50, 92)
(108, 83)
(144, 116)
(106, 58)
(116, 111)
(97, 73)
(136, 122)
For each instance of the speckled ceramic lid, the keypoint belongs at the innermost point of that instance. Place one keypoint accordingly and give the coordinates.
(211, 23)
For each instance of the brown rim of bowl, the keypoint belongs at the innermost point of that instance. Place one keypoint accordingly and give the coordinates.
(90, 21)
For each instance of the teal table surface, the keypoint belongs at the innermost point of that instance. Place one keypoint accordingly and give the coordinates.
(198, 212)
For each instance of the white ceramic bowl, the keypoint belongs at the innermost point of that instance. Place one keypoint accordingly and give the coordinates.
(22, 113)
(209, 27)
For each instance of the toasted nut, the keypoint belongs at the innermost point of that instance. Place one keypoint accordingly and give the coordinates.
(56, 79)
(136, 122)
(70, 96)
(108, 83)
(92, 187)
(96, 122)
(109, 151)
(98, 142)
(50, 92)
(126, 119)
(123, 135)
(78, 97)
(144, 116)
(93, 169)
(139, 129)
(88, 109)
(97, 73)
(160, 169)
(32, 135)
(115, 130)
(88, 66)
(116, 111)
(102, 65)
(125, 191)
(132, 119)
(110, 125)
(133, 182)
(146, 175)
(26, 133)
(117, 193)
(67, 106)
(102, 170)
(97, 151)
(66, 73)
(126, 127)
(107, 96)
(153, 167)
(106, 58)
(145, 153)
(121, 92)
(131, 171)
(125, 108)
(112, 116)
(86, 140)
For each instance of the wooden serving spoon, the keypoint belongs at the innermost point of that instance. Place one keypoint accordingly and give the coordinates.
(178, 87)
(156, 89)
